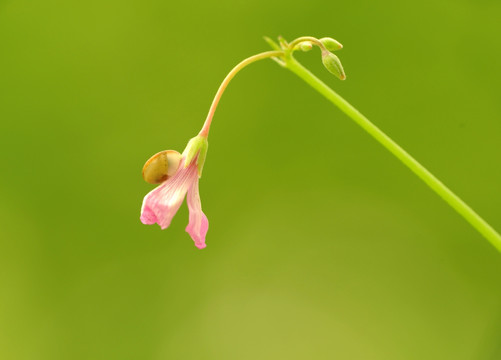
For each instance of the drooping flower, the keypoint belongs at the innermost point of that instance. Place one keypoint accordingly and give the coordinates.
(178, 175)
(162, 203)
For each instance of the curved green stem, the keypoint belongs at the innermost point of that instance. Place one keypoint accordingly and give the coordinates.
(436, 185)
(265, 55)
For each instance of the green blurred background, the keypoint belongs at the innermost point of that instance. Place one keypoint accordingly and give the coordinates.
(321, 244)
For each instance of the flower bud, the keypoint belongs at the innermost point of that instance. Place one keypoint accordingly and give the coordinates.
(161, 166)
(331, 44)
(305, 46)
(196, 146)
(333, 64)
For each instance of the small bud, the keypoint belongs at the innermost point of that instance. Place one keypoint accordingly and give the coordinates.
(161, 166)
(333, 64)
(305, 46)
(331, 44)
(196, 146)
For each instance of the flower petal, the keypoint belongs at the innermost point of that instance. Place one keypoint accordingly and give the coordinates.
(162, 203)
(198, 225)
(148, 217)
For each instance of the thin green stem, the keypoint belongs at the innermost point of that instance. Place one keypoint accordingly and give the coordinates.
(265, 55)
(436, 185)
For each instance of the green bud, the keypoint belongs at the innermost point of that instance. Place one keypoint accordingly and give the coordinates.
(331, 44)
(333, 64)
(305, 46)
(196, 146)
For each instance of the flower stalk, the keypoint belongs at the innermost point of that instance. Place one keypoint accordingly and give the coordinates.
(265, 55)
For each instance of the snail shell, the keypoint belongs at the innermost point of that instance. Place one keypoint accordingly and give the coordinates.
(161, 166)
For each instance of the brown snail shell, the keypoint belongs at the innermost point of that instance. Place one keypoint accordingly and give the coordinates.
(161, 166)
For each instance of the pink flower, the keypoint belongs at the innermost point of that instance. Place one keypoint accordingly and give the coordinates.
(162, 203)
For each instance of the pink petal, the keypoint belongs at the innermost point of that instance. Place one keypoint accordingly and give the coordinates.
(162, 203)
(148, 217)
(198, 225)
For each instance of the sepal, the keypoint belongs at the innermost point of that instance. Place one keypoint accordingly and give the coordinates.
(196, 149)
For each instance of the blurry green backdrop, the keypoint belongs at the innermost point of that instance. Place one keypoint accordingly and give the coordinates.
(321, 244)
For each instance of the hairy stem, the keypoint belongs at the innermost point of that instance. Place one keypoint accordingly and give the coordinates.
(436, 185)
